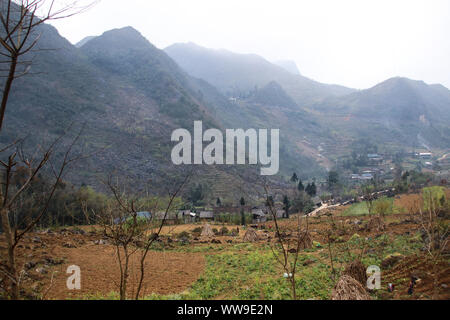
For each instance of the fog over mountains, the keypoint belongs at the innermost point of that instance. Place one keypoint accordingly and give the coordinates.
(132, 95)
(398, 109)
(234, 73)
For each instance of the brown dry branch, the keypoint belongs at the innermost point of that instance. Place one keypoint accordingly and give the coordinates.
(133, 234)
(11, 193)
(435, 234)
(155, 235)
(285, 254)
(19, 34)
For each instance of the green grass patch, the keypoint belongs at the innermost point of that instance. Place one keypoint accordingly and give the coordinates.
(383, 206)
(356, 209)
(256, 275)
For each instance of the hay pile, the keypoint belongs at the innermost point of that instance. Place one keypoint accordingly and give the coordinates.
(306, 241)
(207, 231)
(250, 235)
(376, 224)
(348, 288)
(357, 271)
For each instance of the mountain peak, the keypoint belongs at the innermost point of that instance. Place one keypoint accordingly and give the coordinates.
(236, 73)
(402, 80)
(289, 66)
(273, 94)
(124, 32)
(120, 40)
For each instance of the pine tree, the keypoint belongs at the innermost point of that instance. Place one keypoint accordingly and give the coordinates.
(242, 202)
(287, 206)
(301, 187)
(308, 189)
(311, 189)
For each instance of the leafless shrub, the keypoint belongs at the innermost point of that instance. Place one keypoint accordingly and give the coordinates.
(286, 250)
(16, 223)
(435, 231)
(133, 234)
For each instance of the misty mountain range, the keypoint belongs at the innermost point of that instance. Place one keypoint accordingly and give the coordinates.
(131, 95)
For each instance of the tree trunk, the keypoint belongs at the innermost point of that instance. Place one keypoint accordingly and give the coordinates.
(7, 89)
(242, 217)
(11, 254)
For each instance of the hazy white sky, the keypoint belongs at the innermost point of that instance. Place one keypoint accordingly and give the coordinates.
(356, 43)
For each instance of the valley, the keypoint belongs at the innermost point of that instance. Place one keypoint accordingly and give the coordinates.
(136, 164)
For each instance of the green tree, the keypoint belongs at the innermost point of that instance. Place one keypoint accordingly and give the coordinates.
(287, 206)
(197, 195)
(242, 202)
(311, 189)
(294, 178)
(333, 179)
(300, 186)
(303, 203)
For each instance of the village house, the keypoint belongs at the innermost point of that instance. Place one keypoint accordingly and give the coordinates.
(259, 216)
(375, 158)
(425, 155)
(317, 201)
(186, 216)
(170, 218)
(363, 176)
(206, 216)
(231, 209)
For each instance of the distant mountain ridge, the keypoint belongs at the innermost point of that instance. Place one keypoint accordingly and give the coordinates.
(407, 106)
(234, 73)
(132, 95)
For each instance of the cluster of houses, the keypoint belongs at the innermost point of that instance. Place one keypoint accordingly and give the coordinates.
(368, 174)
(375, 158)
(259, 215)
(362, 176)
(424, 155)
